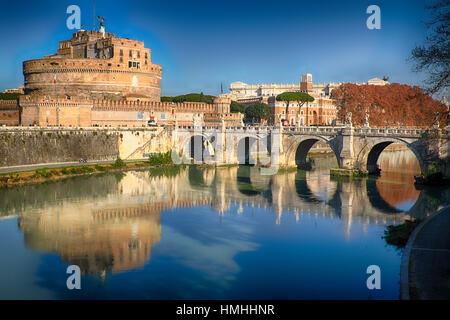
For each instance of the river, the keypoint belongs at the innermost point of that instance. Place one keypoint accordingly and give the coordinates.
(207, 233)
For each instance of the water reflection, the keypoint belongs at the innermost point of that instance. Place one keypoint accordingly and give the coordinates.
(97, 240)
(396, 184)
(112, 223)
(120, 214)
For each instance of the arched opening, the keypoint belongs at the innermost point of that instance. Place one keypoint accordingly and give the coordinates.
(314, 154)
(196, 148)
(252, 151)
(243, 151)
(395, 166)
(201, 148)
(315, 118)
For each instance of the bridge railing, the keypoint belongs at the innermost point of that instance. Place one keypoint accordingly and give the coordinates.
(390, 131)
(327, 130)
(307, 129)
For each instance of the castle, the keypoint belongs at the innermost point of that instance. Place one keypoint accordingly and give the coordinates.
(98, 79)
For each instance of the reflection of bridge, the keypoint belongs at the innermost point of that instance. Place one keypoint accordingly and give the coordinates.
(355, 148)
(110, 222)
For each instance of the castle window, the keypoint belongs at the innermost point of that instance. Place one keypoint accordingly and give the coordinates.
(121, 59)
(139, 54)
(146, 55)
(130, 64)
(121, 52)
(131, 53)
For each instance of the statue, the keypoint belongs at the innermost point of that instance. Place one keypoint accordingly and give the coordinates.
(436, 120)
(242, 119)
(197, 120)
(366, 120)
(102, 23)
(348, 119)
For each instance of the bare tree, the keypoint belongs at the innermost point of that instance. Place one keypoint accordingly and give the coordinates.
(434, 55)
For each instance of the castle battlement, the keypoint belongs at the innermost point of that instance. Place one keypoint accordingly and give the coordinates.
(9, 105)
(63, 65)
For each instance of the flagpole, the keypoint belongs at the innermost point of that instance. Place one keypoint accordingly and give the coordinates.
(93, 20)
(56, 100)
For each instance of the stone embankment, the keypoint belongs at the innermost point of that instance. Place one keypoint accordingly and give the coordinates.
(37, 145)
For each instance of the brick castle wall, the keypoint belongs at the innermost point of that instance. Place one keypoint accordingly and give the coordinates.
(9, 112)
(79, 112)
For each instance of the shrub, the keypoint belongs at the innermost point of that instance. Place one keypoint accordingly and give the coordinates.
(398, 235)
(119, 163)
(99, 167)
(43, 173)
(434, 174)
(160, 158)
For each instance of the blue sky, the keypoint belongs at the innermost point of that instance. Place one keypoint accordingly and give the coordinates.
(201, 43)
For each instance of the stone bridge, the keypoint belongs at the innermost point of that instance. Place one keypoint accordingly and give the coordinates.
(356, 149)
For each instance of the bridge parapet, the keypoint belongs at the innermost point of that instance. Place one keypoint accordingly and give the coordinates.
(314, 130)
(383, 132)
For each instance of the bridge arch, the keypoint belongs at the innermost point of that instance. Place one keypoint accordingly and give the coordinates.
(368, 156)
(193, 146)
(297, 150)
(252, 150)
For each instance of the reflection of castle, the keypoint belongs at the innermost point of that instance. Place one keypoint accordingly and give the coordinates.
(114, 231)
(102, 240)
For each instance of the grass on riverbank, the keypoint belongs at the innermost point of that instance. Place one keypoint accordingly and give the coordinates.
(53, 174)
(398, 235)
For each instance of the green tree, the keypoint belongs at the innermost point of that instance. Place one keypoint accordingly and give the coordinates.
(236, 107)
(257, 112)
(9, 96)
(191, 97)
(434, 55)
(300, 97)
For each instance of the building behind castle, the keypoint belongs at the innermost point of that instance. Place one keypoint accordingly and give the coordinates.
(322, 111)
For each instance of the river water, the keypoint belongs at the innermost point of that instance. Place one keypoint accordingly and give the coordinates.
(205, 233)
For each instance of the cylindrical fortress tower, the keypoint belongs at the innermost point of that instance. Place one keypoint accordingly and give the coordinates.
(98, 66)
(94, 78)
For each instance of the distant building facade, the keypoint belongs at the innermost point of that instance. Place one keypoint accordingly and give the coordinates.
(19, 89)
(242, 91)
(320, 112)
